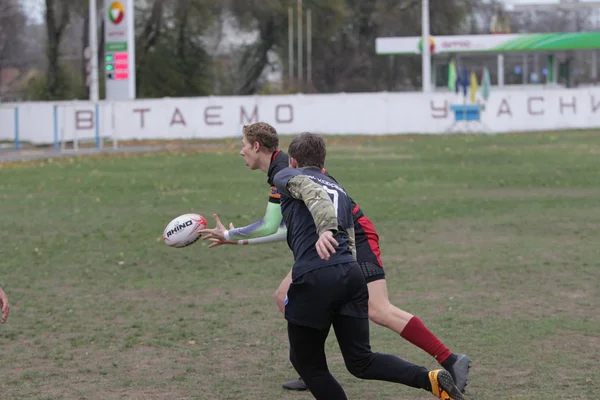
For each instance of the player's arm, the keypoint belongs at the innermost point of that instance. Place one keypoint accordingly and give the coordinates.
(322, 210)
(278, 236)
(267, 225)
(317, 200)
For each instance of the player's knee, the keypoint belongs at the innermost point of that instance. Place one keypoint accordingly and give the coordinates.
(357, 372)
(377, 316)
(380, 313)
(358, 367)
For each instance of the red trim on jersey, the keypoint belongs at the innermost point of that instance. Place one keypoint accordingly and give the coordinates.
(275, 153)
(372, 236)
(368, 228)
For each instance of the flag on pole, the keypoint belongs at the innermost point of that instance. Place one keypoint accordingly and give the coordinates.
(452, 76)
(465, 81)
(474, 87)
(486, 84)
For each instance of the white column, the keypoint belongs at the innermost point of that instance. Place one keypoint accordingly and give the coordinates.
(309, 48)
(93, 34)
(290, 44)
(130, 13)
(500, 70)
(426, 54)
(300, 47)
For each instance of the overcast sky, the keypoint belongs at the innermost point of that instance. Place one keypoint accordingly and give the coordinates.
(538, 1)
(547, 1)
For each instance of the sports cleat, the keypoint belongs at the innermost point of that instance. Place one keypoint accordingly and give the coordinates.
(460, 371)
(442, 385)
(298, 384)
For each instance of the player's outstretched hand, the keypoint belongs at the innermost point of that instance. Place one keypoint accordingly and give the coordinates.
(5, 306)
(219, 242)
(326, 245)
(218, 232)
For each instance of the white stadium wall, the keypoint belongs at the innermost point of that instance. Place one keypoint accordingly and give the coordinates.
(343, 113)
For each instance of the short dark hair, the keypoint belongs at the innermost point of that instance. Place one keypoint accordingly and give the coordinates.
(262, 133)
(308, 149)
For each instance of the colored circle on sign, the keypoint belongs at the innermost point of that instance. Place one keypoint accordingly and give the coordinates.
(431, 45)
(116, 12)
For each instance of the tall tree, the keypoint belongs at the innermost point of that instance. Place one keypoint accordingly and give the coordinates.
(170, 55)
(57, 19)
(269, 20)
(12, 21)
(81, 10)
(12, 26)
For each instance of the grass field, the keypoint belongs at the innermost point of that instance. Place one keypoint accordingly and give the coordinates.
(493, 241)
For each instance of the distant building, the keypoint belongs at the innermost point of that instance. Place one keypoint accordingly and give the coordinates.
(13, 82)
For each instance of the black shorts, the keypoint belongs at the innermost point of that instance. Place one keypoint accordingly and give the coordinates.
(368, 253)
(316, 296)
(372, 271)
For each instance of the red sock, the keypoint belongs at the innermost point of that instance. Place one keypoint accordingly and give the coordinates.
(418, 334)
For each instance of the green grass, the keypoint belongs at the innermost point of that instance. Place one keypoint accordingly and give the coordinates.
(493, 241)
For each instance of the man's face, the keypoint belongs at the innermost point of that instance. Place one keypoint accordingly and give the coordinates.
(250, 152)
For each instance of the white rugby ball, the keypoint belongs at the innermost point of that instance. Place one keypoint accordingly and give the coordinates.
(181, 232)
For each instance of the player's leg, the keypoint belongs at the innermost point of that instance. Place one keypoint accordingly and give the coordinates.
(281, 292)
(280, 298)
(383, 313)
(353, 337)
(312, 300)
(351, 327)
(307, 354)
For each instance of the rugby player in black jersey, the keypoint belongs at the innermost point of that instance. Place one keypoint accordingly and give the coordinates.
(260, 150)
(328, 286)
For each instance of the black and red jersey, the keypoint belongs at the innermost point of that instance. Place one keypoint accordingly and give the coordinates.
(279, 161)
(365, 234)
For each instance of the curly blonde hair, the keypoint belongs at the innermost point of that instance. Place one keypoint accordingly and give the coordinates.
(262, 133)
